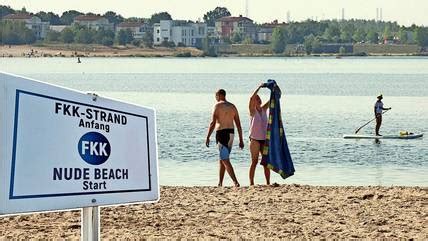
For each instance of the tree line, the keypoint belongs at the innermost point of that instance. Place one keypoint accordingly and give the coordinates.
(313, 34)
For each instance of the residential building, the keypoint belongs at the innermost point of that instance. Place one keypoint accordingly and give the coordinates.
(94, 22)
(138, 29)
(34, 23)
(57, 28)
(179, 32)
(264, 32)
(226, 26)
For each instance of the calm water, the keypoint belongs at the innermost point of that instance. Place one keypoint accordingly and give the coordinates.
(323, 99)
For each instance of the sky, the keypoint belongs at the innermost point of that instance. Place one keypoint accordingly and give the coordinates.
(404, 12)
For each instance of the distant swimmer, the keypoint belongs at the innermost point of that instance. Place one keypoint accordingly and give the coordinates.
(378, 111)
(78, 60)
(224, 116)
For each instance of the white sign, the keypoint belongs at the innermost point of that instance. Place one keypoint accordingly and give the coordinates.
(63, 149)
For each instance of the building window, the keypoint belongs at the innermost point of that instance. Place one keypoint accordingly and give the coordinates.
(157, 31)
(193, 34)
(157, 40)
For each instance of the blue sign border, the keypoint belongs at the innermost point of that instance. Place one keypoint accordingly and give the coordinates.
(15, 132)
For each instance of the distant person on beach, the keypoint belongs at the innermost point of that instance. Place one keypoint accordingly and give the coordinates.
(78, 60)
(258, 128)
(223, 117)
(378, 111)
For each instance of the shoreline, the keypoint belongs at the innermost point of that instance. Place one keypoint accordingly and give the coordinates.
(277, 211)
(99, 51)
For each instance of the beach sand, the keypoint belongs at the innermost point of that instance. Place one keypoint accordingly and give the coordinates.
(280, 211)
(74, 50)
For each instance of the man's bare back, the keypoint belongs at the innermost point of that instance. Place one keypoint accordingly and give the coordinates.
(225, 113)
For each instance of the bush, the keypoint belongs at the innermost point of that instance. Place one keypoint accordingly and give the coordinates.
(184, 54)
(136, 42)
(168, 44)
(181, 45)
(52, 36)
(107, 41)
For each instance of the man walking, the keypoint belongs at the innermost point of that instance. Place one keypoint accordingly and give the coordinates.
(224, 116)
(378, 111)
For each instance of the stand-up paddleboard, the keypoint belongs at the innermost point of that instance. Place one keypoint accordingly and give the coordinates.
(399, 136)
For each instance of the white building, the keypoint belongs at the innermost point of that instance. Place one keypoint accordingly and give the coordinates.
(57, 28)
(34, 23)
(138, 29)
(188, 34)
(94, 22)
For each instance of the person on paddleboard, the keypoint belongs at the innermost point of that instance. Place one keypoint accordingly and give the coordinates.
(378, 111)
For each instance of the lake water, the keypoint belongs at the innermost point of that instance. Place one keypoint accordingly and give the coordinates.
(323, 98)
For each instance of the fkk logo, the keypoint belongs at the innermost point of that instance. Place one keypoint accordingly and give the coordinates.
(94, 148)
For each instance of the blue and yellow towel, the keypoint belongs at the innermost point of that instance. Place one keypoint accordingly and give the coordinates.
(276, 155)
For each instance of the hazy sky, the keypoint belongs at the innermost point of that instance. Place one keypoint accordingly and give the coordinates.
(405, 12)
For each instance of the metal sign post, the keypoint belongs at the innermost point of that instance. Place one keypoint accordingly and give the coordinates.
(90, 230)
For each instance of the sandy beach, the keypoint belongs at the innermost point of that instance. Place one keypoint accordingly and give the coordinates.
(263, 212)
(74, 50)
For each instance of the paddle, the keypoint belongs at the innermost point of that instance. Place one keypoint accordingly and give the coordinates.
(368, 122)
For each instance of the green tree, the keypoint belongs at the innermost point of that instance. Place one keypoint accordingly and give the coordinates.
(16, 33)
(85, 36)
(5, 10)
(208, 48)
(67, 35)
(67, 17)
(247, 40)
(211, 17)
(387, 33)
(332, 33)
(342, 50)
(310, 43)
(101, 34)
(148, 39)
(402, 35)
(50, 17)
(107, 41)
(372, 36)
(113, 17)
(346, 33)
(136, 42)
(359, 35)
(157, 17)
(278, 40)
(52, 36)
(124, 36)
(421, 36)
(236, 37)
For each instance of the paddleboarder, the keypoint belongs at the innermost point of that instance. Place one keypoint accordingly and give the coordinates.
(378, 111)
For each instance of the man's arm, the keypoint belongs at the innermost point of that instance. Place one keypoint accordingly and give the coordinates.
(211, 127)
(238, 126)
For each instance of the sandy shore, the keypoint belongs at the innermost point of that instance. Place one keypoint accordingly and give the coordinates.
(74, 50)
(284, 211)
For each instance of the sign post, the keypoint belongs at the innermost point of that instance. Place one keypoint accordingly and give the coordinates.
(63, 149)
(90, 223)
